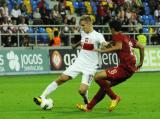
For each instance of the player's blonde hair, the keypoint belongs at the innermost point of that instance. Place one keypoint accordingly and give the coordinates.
(86, 18)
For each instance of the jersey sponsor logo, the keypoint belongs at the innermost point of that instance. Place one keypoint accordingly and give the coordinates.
(86, 39)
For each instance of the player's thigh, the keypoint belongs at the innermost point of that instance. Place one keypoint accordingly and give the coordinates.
(100, 75)
(117, 75)
(72, 71)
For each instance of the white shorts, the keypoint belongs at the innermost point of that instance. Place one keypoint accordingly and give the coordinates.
(76, 69)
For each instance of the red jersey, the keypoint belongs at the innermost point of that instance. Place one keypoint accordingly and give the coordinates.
(126, 55)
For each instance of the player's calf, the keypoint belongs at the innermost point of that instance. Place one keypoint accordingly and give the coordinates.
(84, 94)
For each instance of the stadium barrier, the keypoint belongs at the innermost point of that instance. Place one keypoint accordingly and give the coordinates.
(35, 33)
(60, 59)
(24, 61)
(36, 60)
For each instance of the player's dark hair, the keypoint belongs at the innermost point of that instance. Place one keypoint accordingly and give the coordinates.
(116, 25)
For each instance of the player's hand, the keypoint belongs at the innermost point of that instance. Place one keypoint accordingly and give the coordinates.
(109, 45)
(106, 45)
(97, 50)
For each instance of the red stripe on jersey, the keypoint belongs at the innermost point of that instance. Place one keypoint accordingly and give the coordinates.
(87, 46)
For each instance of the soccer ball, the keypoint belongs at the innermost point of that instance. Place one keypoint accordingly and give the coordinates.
(47, 104)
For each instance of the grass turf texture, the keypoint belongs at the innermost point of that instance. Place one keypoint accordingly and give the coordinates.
(140, 98)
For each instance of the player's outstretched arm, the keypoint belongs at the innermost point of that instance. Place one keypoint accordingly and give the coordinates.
(106, 45)
(141, 50)
(115, 47)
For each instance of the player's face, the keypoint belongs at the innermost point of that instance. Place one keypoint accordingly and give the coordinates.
(85, 26)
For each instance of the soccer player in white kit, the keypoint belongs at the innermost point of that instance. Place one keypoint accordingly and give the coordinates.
(86, 62)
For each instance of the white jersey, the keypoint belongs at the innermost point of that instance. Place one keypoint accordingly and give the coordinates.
(87, 60)
(90, 41)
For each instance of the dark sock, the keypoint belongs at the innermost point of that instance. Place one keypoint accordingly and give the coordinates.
(104, 89)
(103, 84)
(97, 98)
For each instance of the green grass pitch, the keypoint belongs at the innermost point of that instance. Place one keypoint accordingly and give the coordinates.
(140, 98)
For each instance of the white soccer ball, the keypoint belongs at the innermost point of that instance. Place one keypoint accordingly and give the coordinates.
(47, 104)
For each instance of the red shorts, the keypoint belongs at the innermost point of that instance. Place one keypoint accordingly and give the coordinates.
(118, 74)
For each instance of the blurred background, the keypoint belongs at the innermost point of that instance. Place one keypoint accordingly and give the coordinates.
(31, 30)
(36, 38)
(40, 22)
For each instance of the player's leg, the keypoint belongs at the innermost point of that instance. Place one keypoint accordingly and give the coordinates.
(101, 80)
(83, 89)
(51, 87)
(97, 98)
(68, 74)
(116, 75)
(104, 89)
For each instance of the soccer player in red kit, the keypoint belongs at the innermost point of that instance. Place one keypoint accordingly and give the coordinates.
(123, 46)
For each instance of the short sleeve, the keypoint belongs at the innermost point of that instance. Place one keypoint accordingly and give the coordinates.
(101, 38)
(118, 38)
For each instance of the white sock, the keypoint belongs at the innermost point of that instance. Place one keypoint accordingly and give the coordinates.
(50, 88)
